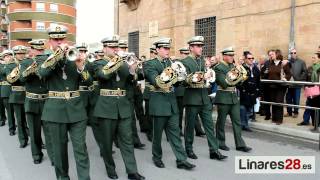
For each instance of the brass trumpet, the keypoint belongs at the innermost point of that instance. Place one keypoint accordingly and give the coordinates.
(72, 53)
(91, 57)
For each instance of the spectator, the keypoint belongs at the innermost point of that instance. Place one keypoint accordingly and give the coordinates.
(265, 87)
(249, 91)
(315, 77)
(279, 69)
(299, 73)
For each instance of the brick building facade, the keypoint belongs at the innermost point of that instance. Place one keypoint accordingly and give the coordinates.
(255, 25)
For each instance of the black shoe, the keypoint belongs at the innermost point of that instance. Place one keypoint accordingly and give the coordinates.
(185, 165)
(200, 134)
(2, 123)
(139, 146)
(192, 155)
(225, 148)
(303, 124)
(112, 175)
(149, 136)
(267, 118)
(37, 161)
(158, 163)
(23, 145)
(217, 155)
(246, 129)
(136, 176)
(244, 149)
(12, 133)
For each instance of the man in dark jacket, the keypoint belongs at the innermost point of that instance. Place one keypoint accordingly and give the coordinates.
(249, 90)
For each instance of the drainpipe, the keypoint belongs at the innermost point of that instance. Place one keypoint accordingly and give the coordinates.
(292, 25)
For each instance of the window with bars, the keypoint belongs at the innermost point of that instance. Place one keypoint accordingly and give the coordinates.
(206, 27)
(133, 42)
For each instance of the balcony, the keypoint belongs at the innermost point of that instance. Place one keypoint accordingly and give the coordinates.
(22, 10)
(22, 29)
(9, 1)
(4, 42)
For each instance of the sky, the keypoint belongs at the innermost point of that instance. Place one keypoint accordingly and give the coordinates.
(94, 20)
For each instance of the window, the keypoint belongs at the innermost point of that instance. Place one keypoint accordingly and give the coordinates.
(53, 7)
(134, 42)
(40, 6)
(206, 27)
(40, 26)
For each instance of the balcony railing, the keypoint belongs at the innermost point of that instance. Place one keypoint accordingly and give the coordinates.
(21, 10)
(22, 29)
(4, 27)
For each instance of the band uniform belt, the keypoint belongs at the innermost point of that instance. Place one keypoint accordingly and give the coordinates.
(64, 94)
(95, 83)
(230, 89)
(154, 89)
(199, 86)
(36, 96)
(4, 83)
(86, 88)
(109, 92)
(18, 88)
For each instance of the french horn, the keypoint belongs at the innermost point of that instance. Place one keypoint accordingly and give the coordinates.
(236, 75)
(180, 70)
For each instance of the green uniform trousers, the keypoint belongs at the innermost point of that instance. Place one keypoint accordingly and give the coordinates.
(233, 110)
(96, 130)
(197, 127)
(149, 120)
(35, 123)
(59, 137)
(10, 115)
(170, 125)
(2, 111)
(205, 112)
(135, 136)
(20, 115)
(120, 129)
(139, 112)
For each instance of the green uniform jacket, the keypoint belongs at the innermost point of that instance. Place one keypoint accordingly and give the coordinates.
(112, 107)
(224, 97)
(160, 103)
(195, 96)
(33, 84)
(146, 91)
(1, 76)
(86, 95)
(63, 110)
(5, 89)
(16, 97)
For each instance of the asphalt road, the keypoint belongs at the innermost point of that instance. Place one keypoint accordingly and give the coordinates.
(16, 163)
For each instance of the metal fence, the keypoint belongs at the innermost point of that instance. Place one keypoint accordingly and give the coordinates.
(301, 83)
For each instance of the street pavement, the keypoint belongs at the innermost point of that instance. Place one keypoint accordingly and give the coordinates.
(16, 163)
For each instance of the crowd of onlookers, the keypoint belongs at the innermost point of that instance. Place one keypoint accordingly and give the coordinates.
(275, 66)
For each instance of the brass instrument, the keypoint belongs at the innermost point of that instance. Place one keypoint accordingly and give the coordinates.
(14, 74)
(70, 52)
(166, 79)
(91, 57)
(32, 69)
(180, 70)
(113, 64)
(236, 74)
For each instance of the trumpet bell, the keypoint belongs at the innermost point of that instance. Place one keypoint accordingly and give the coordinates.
(72, 53)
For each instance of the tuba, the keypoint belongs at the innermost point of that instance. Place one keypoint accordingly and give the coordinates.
(32, 69)
(236, 74)
(14, 74)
